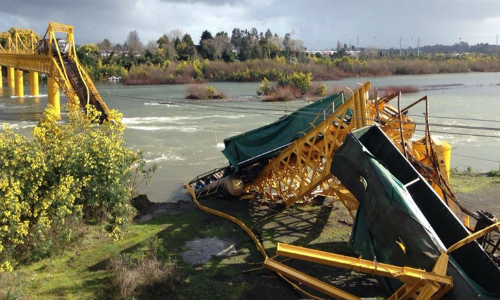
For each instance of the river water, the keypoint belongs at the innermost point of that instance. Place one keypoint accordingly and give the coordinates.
(185, 138)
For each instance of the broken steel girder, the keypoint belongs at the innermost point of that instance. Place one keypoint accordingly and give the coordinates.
(304, 166)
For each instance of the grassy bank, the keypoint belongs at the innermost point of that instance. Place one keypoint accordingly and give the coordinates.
(82, 271)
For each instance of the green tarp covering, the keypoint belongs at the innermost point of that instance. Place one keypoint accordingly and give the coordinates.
(267, 141)
(391, 215)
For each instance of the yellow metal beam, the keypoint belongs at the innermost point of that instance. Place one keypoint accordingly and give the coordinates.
(308, 280)
(404, 274)
(474, 236)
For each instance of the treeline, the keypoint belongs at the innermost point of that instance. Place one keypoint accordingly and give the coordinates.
(457, 49)
(250, 55)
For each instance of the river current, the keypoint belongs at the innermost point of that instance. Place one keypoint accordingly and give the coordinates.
(185, 138)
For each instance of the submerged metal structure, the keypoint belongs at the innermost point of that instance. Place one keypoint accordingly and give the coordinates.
(309, 154)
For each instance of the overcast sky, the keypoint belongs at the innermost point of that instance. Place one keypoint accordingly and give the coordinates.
(318, 23)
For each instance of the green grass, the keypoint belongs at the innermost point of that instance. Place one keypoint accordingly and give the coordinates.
(81, 273)
(470, 182)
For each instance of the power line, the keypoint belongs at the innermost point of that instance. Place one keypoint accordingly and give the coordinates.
(246, 109)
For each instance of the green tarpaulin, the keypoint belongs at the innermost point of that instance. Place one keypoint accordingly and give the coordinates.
(268, 140)
(392, 217)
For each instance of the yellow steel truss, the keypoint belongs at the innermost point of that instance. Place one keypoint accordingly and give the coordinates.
(418, 284)
(304, 166)
(21, 54)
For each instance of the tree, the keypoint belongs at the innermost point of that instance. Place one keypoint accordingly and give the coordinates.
(205, 35)
(151, 46)
(207, 46)
(187, 39)
(185, 48)
(162, 41)
(268, 34)
(134, 44)
(174, 34)
(105, 45)
(88, 54)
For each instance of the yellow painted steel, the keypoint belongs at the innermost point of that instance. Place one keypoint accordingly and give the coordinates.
(1, 77)
(19, 83)
(418, 284)
(34, 89)
(53, 94)
(474, 236)
(304, 166)
(21, 53)
(11, 80)
(308, 280)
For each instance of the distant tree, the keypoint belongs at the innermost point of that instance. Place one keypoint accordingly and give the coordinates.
(134, 44)
(236, 37)
(187, 39)
(206, 35)
(88, 54)
(152, 46)
(268, 34)
(206, 47)
(185, 48)
(105, 45)
(162, 41)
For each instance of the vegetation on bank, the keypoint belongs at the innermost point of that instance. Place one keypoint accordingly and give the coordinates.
(247, 55)
(197, 91)
(67, 175)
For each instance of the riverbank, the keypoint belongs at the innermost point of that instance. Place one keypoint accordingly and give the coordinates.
(174, 231)
(322, 69)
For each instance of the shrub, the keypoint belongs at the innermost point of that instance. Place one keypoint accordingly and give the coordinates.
(197, 91)
(301, 81)
(66, 172)
(147, 275)
(281, 93)
(318, 90)
(265, 87)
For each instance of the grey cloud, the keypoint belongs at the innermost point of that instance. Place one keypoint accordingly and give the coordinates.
(316, 22)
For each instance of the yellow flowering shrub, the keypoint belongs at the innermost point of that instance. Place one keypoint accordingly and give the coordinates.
(68, 171)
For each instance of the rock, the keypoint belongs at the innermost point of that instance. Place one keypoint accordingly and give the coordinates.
(144, 218)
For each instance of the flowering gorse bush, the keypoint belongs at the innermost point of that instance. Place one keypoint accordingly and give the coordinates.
(67, 173)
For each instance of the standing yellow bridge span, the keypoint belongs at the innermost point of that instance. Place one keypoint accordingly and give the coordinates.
(23, 50)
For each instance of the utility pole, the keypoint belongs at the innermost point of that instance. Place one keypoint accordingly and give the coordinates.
(418, 46)
(400, 42)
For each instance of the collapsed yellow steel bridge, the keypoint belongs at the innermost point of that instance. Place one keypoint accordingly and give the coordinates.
(23, 51)
(301, 171)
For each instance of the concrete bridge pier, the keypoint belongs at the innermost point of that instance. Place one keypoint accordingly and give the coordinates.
(10, 77)
(34, 90)
(53, 94)
(19, 83)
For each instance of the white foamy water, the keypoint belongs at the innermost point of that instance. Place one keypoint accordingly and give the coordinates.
(163, 157)
(164, 128)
